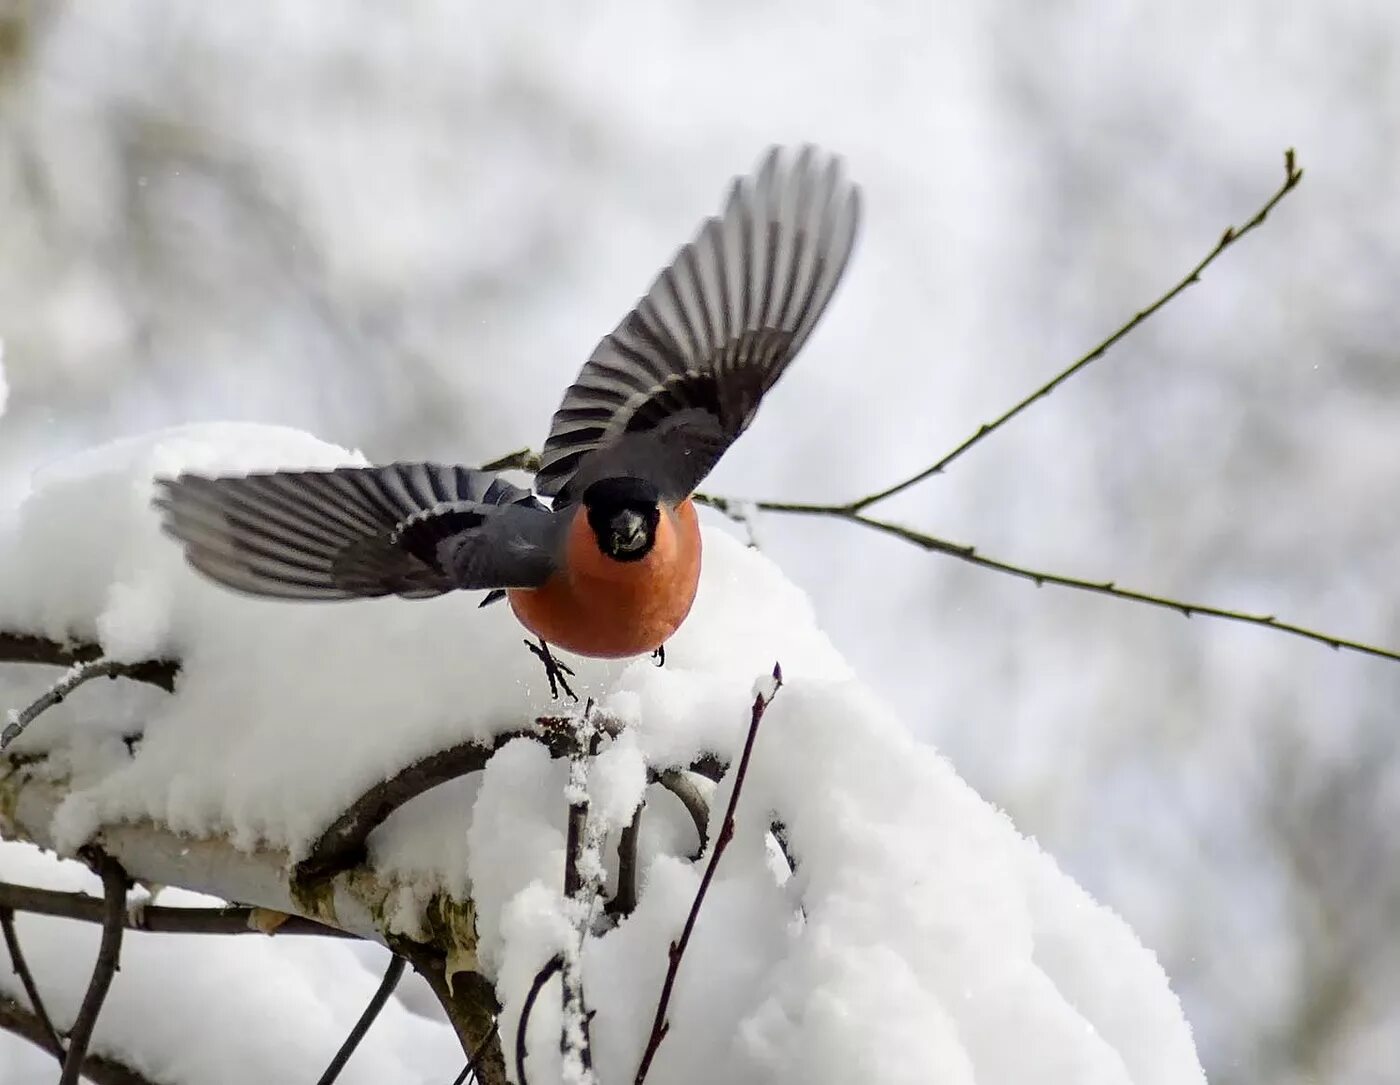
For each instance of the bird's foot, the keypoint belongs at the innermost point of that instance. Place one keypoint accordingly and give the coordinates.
(659, 656)
(553, 669)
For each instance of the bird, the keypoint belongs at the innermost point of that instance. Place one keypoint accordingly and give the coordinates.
(602, 556)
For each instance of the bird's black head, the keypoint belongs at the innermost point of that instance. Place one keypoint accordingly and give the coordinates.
(623, 513)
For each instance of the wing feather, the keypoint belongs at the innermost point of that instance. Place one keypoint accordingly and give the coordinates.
(716, 330)
(409, 529)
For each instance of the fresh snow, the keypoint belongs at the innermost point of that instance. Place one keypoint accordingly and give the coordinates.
(920, 939)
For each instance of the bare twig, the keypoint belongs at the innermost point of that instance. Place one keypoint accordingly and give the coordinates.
(1291, 176)
(377, 1001)
(155, 918)
(100, 1069)
(542, 977)
(659, 1024)
(26, 979)
(76, 675)
(114, 882)
(28, 648)
(1040, 578)
(854, 511)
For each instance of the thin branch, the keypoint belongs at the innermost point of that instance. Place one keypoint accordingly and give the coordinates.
(555, 964)
(1107, 587)
(624, 900)
(100, 1069)
(114, 882)
(659, 1025)
(377, 1001)
(27, 648)
(1291, 176)
(470, 1068)
(853, 512)
(75, 676)
(1040, 577)
(26, 979)
(154, 918)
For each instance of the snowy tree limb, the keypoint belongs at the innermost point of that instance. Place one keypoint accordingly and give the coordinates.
(114, 886)
(355, 902)
(342, 844)
(74, 677)
(18, 1021)
(28, 648)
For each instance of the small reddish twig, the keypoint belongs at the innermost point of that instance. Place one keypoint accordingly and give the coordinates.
(659, 1025)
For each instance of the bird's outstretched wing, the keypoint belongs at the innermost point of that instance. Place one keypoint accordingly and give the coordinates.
(680, 378)
(409, 529)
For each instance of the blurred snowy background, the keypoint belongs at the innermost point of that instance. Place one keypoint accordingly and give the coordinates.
(403, 227)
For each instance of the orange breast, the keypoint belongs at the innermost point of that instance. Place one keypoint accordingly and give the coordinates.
(601, 607)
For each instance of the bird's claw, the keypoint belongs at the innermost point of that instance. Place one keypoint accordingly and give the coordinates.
(554, 670)
(659, 656)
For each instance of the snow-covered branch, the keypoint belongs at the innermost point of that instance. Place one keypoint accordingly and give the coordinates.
(392, 769)
(358, 903)
(17, 647)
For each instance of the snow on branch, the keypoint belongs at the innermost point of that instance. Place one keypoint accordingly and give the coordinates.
(397, 771)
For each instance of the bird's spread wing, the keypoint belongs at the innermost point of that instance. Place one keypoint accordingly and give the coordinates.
(410, 529)
(680, 378)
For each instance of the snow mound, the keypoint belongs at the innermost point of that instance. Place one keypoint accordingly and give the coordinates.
(920, 938)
